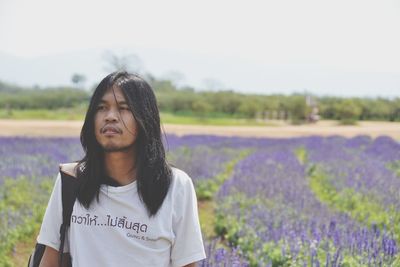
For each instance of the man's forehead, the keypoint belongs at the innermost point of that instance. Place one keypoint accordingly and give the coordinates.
(109, 95)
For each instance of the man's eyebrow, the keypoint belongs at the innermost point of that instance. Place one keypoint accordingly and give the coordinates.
(122, 102)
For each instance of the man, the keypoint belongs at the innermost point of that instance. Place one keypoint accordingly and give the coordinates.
(132, 208)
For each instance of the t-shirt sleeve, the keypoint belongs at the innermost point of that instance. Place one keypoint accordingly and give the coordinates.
(188, 244)
(49, 234)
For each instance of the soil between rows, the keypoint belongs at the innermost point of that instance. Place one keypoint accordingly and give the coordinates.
(50, 128)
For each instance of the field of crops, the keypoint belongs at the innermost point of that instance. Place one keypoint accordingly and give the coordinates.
(315, 201)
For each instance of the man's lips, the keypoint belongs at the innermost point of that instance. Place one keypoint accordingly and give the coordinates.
(110, 130)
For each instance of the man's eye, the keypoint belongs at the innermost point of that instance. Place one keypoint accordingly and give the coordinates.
(125, 108)
(100, 108)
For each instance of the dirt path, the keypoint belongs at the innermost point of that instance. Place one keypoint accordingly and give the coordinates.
(323, 128)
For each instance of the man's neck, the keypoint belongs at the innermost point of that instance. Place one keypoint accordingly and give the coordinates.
(120, 166)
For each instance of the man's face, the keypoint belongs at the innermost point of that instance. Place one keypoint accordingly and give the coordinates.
(115, 127)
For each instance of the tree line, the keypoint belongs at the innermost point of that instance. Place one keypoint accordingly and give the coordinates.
(186, 100)
(16, 97)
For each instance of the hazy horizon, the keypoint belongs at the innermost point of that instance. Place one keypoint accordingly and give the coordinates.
(340, 48)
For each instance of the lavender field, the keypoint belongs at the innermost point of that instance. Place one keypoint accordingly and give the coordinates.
(315, 201)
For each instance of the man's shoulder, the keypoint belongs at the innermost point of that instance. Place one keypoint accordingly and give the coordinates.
(69, 168)
(180, 177)
(178, 172)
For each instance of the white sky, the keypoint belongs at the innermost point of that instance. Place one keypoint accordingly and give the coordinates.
(349, 36)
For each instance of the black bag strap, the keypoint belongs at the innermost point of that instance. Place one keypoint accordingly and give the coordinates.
(69, 192)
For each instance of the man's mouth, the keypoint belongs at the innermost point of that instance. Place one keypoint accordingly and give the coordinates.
(110, 130)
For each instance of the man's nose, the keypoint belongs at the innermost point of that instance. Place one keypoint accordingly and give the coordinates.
(112, 115)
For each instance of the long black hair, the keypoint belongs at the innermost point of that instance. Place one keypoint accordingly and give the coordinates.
(153, 172)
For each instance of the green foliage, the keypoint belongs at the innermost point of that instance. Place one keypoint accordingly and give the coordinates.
(204, 104)
(301, 154)
(364, 108)
(395, 167)
(51, 98)
(226, 102)
(76, 113)
(298, 109)
(228, 227)
(207, 188)
(22, 206)
(210, 119)
(201, 107)
(163, 86)
(5, 87)
(250, 107)
(207, 218)
(348, 112)
(364, 208)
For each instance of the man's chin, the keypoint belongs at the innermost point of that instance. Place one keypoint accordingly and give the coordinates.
(115, 148)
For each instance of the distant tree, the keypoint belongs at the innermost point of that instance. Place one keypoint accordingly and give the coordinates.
(212, 84)
(348, 111)
(175, 77)
(220, 103)
(187, 89)
(298, 109)
(395, 116)
(249, 108)
(6, 87)
(163, 86)
(127, 62)
(8, 109)
(78, 79)
(201, 107)
(181, 101)
(327, 107)
(224, 101)
(382, 109)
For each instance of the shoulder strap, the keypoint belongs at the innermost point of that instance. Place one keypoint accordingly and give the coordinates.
(69, 185)
(69, 192)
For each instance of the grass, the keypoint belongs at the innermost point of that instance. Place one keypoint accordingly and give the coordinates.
(44, 114)
(363, 208)
(78, 113)
(206, 191)
(207, 218)
(207, 188)
(395, 167)
(210, 120)
(20, 196)
(23, 249)
(366, 209)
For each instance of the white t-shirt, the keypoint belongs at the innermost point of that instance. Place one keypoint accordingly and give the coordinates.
(116, 231)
